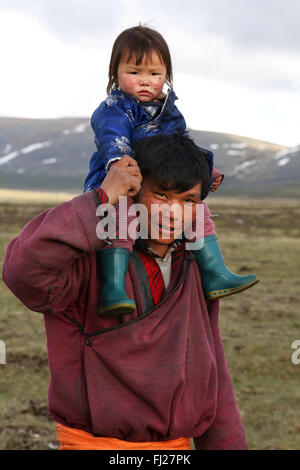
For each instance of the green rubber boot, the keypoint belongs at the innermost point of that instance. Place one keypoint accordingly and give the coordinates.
(217, 280)
(113, 265)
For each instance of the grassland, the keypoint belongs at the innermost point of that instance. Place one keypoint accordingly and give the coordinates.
(258, 325)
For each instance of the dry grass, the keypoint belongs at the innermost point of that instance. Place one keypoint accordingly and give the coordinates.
(16, 196)
(258, 326)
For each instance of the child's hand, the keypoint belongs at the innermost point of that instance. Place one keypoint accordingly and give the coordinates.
(217, 180)
(123, 179)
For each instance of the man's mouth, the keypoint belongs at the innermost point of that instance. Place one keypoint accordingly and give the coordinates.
(164, 227)
(171, 229)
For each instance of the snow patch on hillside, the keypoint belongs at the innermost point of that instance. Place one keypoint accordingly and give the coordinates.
(7, 149)
(289, 151)
(284, 161)
(49, 161)
(235, 145)
(234, 153)
(80, 128)
(24, 150)
(242, 168)
(33, 147)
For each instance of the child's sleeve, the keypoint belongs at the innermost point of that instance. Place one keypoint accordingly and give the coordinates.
(112, 126)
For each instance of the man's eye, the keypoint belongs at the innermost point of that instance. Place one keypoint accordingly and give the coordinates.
(161, 194)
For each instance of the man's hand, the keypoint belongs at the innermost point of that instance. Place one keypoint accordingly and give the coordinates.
(123, 179)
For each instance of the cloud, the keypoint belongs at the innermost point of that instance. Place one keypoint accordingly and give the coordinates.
(217, 58)
(224, 53)
(270, 115)
(256, 24)
(70, 20)
(248, 24)
(253, 41)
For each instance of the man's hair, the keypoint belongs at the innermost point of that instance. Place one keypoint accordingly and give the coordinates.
(138, 42)
(174, 161)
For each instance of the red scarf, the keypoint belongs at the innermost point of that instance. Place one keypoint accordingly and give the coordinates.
(156, 280)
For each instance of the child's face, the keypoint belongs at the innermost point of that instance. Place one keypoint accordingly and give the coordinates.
(145, 81)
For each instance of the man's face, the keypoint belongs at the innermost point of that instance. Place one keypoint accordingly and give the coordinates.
(168, 212)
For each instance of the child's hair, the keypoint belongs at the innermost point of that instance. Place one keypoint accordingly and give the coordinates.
(138, 42)
(175, 162)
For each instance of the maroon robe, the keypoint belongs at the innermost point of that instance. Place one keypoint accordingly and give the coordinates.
(156, 375)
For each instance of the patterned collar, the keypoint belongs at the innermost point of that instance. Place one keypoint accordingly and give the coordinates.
(143, 245)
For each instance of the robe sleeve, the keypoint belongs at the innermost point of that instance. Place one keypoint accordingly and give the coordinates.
(113, 131)
(42, 264)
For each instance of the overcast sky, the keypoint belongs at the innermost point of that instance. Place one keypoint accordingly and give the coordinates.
(236, 62)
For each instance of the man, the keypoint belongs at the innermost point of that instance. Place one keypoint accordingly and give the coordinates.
(152, 379)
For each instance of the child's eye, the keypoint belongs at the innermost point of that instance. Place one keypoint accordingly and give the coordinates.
(161, 195)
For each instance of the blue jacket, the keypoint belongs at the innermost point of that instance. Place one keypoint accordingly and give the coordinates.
(120, 121)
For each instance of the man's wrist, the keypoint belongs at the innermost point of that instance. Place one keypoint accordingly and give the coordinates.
(100, 196)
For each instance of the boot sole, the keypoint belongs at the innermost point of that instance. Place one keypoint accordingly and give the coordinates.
(117, 310)
(219, 294)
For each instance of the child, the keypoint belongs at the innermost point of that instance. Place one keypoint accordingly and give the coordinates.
(136, 107)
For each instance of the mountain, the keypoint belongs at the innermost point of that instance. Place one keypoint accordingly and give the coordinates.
(45, 153)
(54, 154)
(253, 167)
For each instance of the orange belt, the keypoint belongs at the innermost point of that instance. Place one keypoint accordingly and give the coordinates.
(76, 439)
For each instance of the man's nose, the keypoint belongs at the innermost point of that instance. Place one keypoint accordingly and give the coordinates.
(173, 210)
